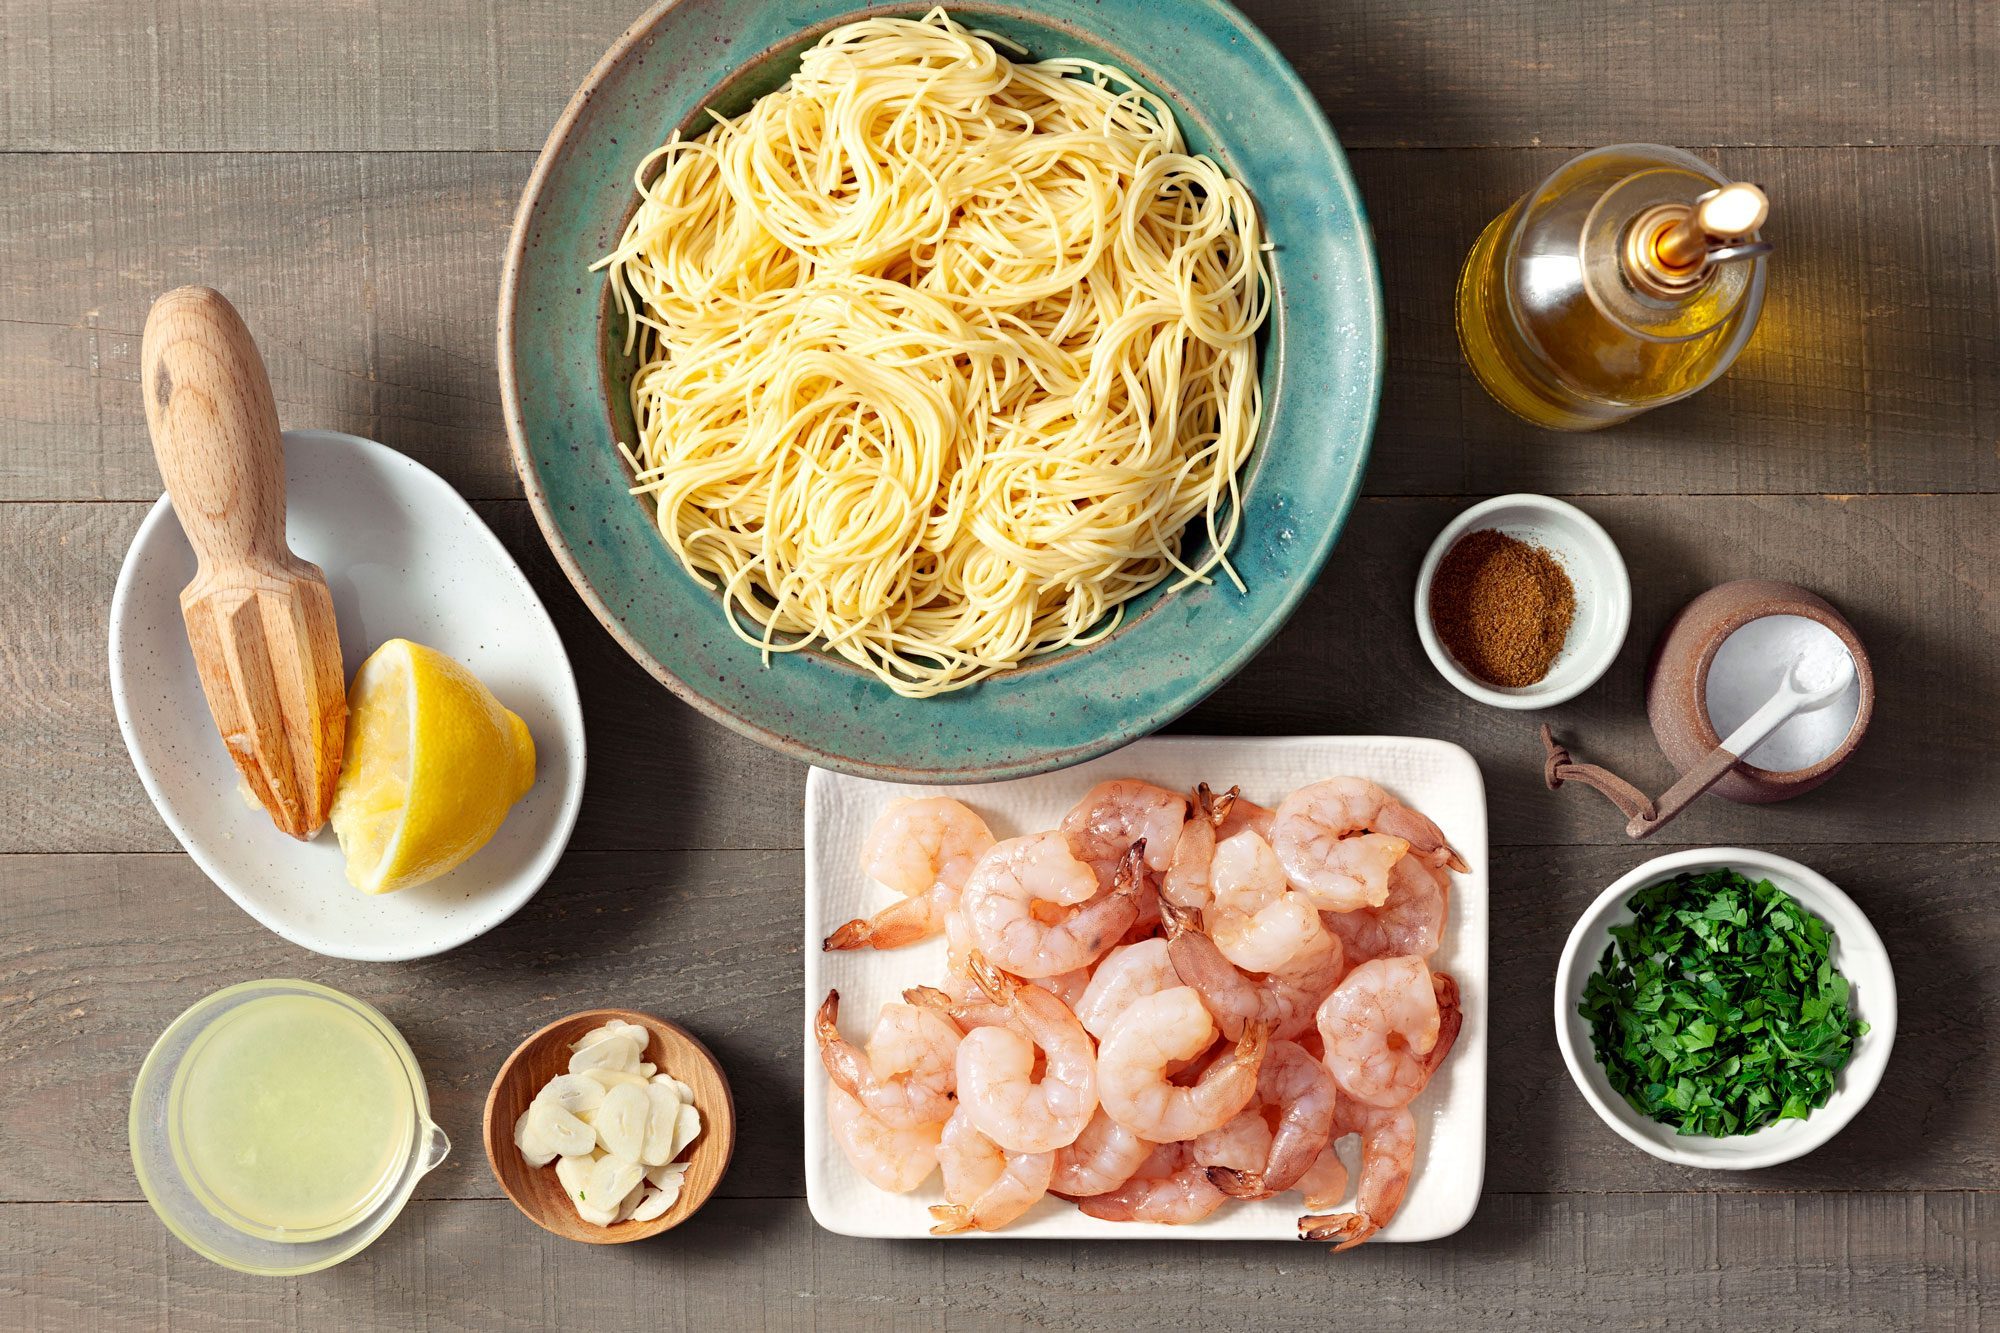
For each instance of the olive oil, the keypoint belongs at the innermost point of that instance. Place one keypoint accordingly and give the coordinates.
(293, 1117)
(1598, 295)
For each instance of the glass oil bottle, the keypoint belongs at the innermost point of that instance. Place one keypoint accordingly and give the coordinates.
(1631, 277)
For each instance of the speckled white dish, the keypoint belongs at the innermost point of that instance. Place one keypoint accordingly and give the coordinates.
(405, 557)
(1437, 777)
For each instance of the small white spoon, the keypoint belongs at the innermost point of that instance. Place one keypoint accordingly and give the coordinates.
(1798, 692)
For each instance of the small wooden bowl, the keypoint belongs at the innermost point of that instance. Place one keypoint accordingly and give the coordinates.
(535, 1190)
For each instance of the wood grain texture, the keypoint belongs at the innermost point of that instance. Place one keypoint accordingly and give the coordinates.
(98, 954)
(1916, 574)
(1629, 1261)
(371, 280)
(473, 74)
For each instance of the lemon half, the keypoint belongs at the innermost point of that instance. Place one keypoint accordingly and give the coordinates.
(434, 763)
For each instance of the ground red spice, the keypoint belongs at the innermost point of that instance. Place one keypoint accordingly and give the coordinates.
(1502, 607)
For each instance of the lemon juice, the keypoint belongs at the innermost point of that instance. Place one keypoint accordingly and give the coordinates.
(292, 1117)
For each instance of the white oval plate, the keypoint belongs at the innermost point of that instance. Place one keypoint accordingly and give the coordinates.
(1436, 777)
(405, 558)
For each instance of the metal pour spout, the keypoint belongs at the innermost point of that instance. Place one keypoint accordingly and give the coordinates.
(1670, 248)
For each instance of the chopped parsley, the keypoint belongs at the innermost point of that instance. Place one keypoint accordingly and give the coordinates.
(1717, 1009)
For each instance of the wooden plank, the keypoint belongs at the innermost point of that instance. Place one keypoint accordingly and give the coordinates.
(1852, 1261)
(370, 280)
(243, 75)
(98, 954)
(1915, 573)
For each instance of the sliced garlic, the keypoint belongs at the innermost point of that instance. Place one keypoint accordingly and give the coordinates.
(559, 1129)
(621, 1121)
(628, 1207)
(610, 1180)
(662, 1119)
(573, 1092)
(535, 1148)
(655, 1203)
(647, 1069)
(611, 1078)
(686, 1130)
(619, 1051)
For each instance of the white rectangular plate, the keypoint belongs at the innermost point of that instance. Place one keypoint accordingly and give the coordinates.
(1436, 777)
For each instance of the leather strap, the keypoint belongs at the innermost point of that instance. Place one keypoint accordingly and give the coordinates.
(1558, 768)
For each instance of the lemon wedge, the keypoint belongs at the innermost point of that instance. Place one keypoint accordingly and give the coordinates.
(434, 763)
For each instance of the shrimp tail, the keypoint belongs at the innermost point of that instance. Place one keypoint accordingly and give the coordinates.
(1450, 1019)
(999, 987)
(952, 1218)
(1350, 1229)
(1240, 1184)
(834, 1051)
(1215, 807)
(908, 921)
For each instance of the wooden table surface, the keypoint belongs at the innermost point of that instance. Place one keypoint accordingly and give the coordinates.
(347, 171)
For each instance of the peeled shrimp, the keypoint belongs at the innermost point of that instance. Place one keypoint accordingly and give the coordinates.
(1324, 1184)
(1255, 918)
(1125, 974)
(1240, 1143)
(1285, 1000)
(897, 1160)
(1016, 898)
(997, 1084)
(1186, 882)
(1104, 1156)
(1243, 815)
(1388, 1152)
(1171, 1187)
(1153, 1033)
(1112, 816)
(1299, 1089)
(1387, 1027)
(985, 1186)
(1409, 923)
(909, 1079)
(923, 849)
(1338, 839)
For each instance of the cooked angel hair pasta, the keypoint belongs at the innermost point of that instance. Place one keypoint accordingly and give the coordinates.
(938, 353)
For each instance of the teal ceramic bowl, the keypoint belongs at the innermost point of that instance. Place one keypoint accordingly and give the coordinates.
(563, 377)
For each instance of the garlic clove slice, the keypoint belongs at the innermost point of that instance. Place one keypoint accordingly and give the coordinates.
(686, 1130)
(656, 1202)
(621, 1121)
(566, 1133)
(575, 1093)
(662, 1118)
(573, 1173)
(535, 1148)
(611, 1078)
(614, 1052)
(610, 1180)
(633, 1198)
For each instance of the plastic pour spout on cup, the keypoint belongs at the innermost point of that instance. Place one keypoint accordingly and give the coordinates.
(278, 1127)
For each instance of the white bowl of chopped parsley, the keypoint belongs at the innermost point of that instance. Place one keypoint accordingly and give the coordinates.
(1725, 1008)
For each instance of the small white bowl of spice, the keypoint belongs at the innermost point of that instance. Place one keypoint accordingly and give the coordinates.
(1523, 601)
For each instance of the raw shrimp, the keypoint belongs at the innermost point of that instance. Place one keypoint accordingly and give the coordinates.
(965, 1014)
(1338, 838)
(1067, 986)
(1410, 923)
(923, 849)
(919, 844)
(1388, 1152)
(1240, 1143)
(906, 1077)
(1255, 918)
(1124, 975)
(1284, 1000)
(1104, 1156)
(897, 1160)
(1186, 881)
(985, 1186)
(1112, 816)
(1134, 1058)
(1324, 1184)
(1171, 1187)
(1015, 901)
(997, 1084)
(1301, 1092)
(1387, 1027)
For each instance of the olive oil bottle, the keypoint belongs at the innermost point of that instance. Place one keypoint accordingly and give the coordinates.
(1631, 277)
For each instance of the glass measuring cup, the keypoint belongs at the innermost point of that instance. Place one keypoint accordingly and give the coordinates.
(185, 1181)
